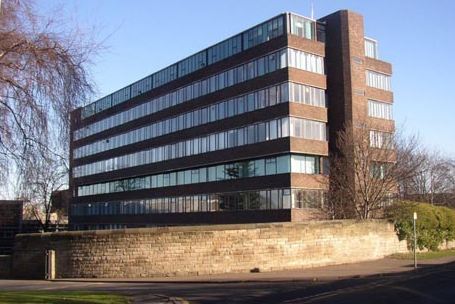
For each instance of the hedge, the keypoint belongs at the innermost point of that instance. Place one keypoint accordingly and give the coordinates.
(434, 226)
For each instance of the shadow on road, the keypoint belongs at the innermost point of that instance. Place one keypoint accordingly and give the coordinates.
(428, 284)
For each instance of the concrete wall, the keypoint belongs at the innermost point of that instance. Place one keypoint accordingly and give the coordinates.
(175, 251)
(5, 266)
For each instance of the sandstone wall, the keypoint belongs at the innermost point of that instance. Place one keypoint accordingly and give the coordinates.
(447, 245)
(176, 251)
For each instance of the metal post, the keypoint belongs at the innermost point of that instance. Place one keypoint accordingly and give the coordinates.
(50, 265)
(415, 240)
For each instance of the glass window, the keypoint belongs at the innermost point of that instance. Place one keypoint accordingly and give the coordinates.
(250, 70)
(259, 167)
(195, 176)
(308, 129)
(231, 138)
(240, 105)
(231, 107)
(296, 127)
(261, 99)
(221, 141)
(221, 110)
(220, 172)
(379, 109)
(261, 66)
(253, 198)
(167, 126)
(196, 118)
(212, 84)
(272, 62)
(159, 179)
(272, 96)
(251, 134)
(284, 127)
(378, 80)
(306, 61)
(246, 169)
(173, 179)
(273, 132)
(202, 175)
(379, 139)
(261, 135)
(250, 102)
(241, 137)
(213, 110)
(371, 48)
(310, 165)
(213, 142)
(232, 171)
(166, 180)
(204, 115)
(181, 178)
(262, 199)
(212, 174)
(270, 166)
(196, 146)
(303, 27)
(274, 202)
(283, 164)
(263, 32)
(187, 177)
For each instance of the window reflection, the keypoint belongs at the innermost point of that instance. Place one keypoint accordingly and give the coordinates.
(243, 169)
(234, 201)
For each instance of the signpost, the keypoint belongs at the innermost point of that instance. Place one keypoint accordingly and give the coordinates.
(415, 240)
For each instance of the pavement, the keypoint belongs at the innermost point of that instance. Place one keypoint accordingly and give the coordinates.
(376, 267)
(381, 281)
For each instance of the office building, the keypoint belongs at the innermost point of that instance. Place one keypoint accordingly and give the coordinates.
(238, 132)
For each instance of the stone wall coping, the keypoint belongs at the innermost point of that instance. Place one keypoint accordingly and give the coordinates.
(199, 228)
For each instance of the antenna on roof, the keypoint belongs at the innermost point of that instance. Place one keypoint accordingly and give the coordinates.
(312, 10)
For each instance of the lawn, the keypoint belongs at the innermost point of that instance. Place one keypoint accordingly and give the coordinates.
(60, 297)
(424, 255)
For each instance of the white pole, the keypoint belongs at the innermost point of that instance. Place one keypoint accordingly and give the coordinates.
(415, 240)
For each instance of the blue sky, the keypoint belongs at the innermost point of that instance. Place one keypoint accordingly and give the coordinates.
(415, 36)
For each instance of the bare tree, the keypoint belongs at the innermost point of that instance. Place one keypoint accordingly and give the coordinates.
(365, 171)
(43, 76)
(433, 181)
(40, 176)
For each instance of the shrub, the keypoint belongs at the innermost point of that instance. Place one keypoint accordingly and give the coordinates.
(447, 226)
(434, 224)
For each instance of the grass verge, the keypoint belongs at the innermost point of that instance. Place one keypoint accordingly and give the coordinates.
(60, 297)
(424, 255)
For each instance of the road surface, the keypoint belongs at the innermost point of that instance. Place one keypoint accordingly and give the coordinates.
(429, 284)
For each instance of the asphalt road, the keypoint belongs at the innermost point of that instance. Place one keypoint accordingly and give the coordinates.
(429, 284)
